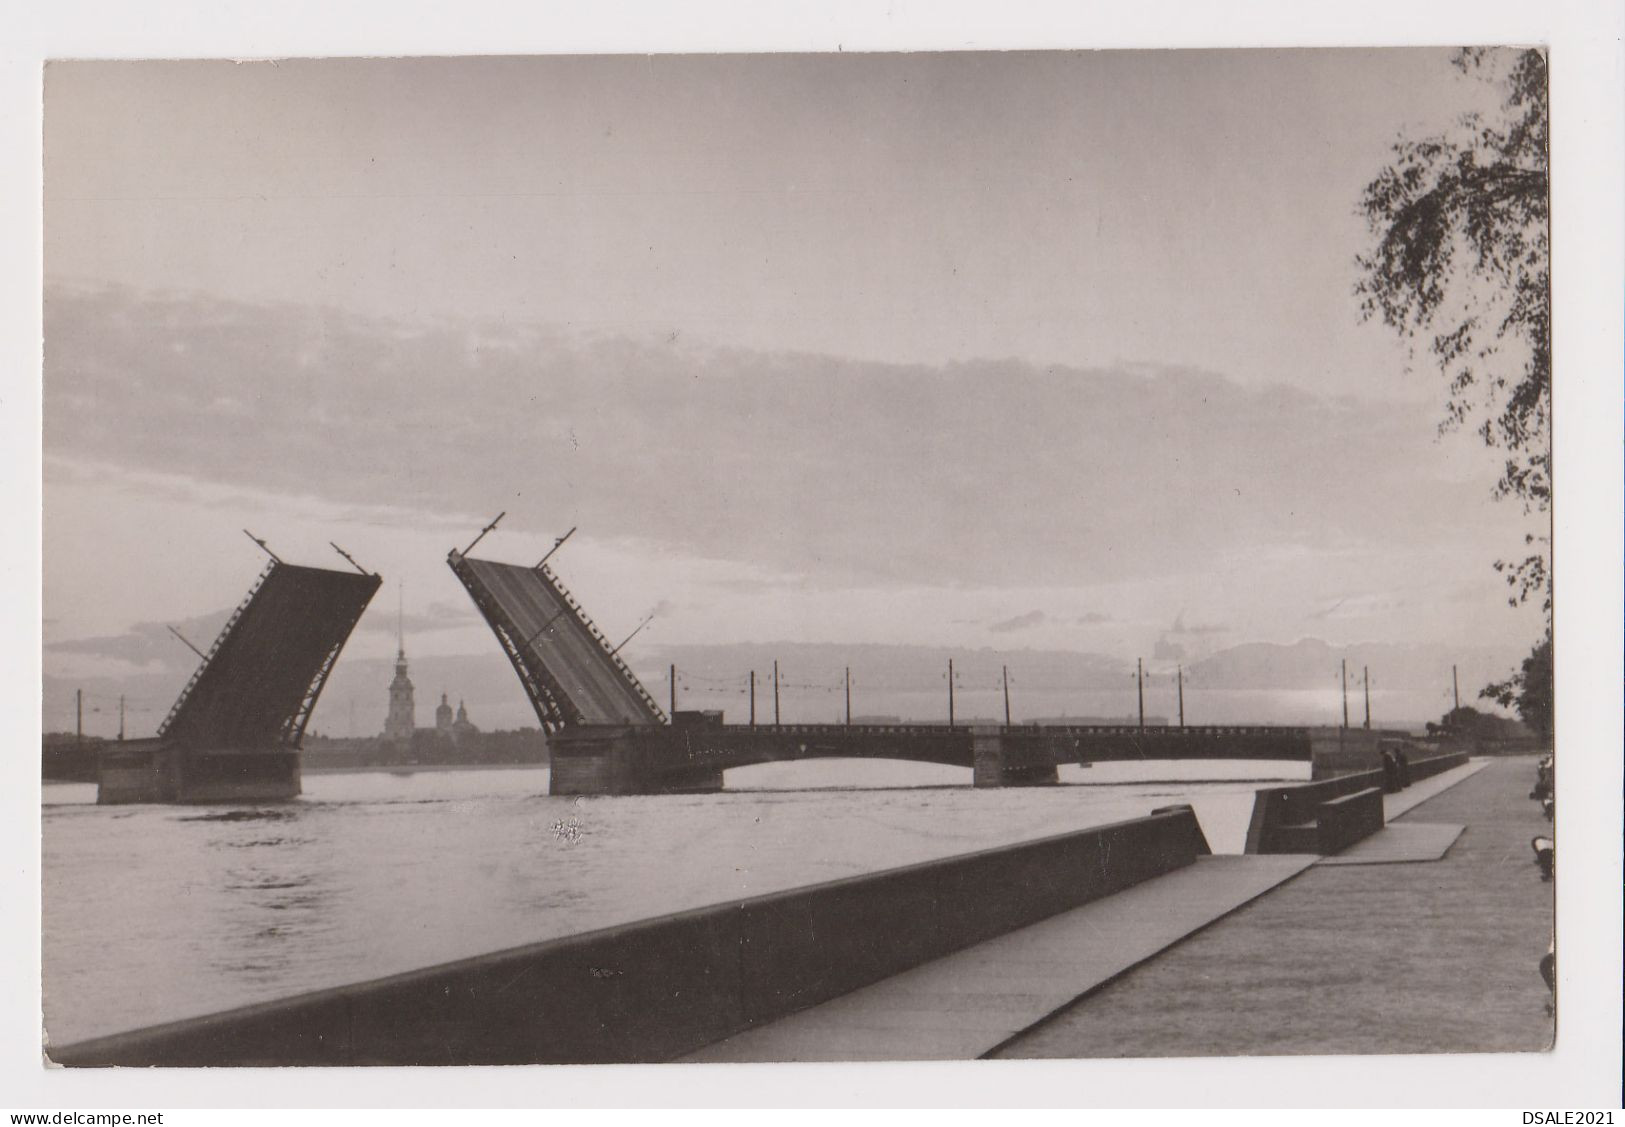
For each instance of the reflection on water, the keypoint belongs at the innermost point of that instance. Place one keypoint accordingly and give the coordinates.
(158, 912)
(277, 900)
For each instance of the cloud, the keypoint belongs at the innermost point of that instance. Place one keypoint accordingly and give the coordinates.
(1181, 627)
(973, 473)
(436, 616)
(1361, 606)
(1166, 650)
(150, 644)
(1092, 618)
(1019, 622)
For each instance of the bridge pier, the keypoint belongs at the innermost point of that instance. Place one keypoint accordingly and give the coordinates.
(1001, 758)
(234, 733)
(616, 759)
(1347, 751)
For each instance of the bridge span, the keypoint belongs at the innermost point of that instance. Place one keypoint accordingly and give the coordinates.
(235, 731)
(692, 753)
(606, 734)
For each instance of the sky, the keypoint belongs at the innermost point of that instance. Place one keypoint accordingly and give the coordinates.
(1046, 350)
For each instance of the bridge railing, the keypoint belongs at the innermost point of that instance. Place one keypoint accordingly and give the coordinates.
(220, 639)
(554, 709)
(1188, 730)
(768, 728)
(603, 642)
(1080, 730)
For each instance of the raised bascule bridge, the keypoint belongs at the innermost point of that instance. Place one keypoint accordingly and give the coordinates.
(234, 733)
(607, 735)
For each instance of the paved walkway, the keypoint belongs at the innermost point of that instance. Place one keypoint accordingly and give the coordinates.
(965, 1005)
(1400, 843)
(1434, 957)
(1403, 802)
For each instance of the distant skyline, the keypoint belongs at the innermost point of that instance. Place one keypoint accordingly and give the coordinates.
(1247, 683)
(1054, 350)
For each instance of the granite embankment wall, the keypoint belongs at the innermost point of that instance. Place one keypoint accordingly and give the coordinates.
(656, 989)
(1286, 819)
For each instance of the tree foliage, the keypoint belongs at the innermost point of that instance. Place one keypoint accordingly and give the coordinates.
(1460, 267)
(1529, 690)
(1466, 720)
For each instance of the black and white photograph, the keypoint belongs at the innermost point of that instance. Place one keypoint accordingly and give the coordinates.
(770, 557)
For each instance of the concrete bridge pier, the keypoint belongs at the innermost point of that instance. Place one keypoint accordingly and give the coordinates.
(601, 759)
(1002, 758)
(1347, 751)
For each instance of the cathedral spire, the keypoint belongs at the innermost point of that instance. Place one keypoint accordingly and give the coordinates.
(402, 721)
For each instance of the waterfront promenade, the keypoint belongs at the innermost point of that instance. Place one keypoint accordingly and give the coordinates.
(1429, 957)
(1246, 955)
(1120, 939)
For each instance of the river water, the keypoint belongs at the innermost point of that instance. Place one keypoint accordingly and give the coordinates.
(153, 913)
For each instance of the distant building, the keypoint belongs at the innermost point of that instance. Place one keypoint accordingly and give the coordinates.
(456, 728)
(402, 721)
(401, 726)
(462, 727)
